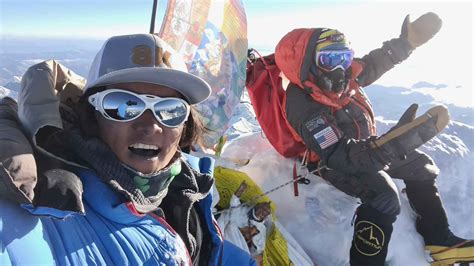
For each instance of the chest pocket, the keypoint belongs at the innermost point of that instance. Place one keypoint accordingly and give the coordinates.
(353, 121)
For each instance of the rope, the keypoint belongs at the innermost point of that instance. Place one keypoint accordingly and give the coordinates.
(252, 202)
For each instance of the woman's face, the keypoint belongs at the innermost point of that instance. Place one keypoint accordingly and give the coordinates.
(124, 137)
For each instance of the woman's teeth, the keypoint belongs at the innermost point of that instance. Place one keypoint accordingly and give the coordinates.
(144, 150)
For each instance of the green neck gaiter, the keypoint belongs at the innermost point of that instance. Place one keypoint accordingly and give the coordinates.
(152, 184)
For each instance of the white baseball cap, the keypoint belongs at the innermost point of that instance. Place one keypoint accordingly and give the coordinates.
(145, 58)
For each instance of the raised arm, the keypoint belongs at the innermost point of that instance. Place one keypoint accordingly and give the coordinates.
(394, 51)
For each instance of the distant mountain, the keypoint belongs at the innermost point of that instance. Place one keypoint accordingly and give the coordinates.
(424, 84)
(13, 84)
(22, 45)
(452, 150)
(15, 64)
(6, 92)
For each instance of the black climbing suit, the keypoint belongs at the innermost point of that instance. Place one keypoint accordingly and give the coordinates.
(362, 177)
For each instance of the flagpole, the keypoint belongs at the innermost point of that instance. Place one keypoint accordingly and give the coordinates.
(153, 16)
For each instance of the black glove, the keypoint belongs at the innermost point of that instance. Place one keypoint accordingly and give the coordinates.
(58, 187)
(421, 30)
(407, 117)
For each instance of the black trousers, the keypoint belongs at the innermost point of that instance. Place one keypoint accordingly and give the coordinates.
(377, 189)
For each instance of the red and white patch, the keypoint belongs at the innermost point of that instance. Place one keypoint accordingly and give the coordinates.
(326, 137)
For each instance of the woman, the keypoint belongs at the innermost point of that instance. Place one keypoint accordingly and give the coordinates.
(123, 143)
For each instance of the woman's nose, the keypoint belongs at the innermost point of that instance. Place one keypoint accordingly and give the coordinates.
(148, 124)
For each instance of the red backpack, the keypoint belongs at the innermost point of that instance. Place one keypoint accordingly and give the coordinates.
(268, 100)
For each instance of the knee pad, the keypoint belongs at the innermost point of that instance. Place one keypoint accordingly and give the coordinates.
(384, 197)
(387, 202)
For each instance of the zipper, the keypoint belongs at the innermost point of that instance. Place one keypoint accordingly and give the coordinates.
(164, 223)
(355, 122)
(366, 111)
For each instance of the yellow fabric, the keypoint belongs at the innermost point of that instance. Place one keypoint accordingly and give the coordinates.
(227, 182)
(276, 249)
(328, 42)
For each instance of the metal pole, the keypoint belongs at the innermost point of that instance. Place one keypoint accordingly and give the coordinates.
(153, 15)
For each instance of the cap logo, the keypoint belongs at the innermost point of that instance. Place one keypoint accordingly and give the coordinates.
(141, 55)
(162, 57)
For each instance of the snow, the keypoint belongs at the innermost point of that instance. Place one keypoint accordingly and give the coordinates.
(320, 217)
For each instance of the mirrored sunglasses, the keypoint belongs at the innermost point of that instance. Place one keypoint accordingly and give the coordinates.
(123, 106)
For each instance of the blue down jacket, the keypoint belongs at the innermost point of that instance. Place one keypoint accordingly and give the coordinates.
(111, 232)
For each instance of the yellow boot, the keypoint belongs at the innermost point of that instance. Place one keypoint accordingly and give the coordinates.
(432, 223)
(448, 254)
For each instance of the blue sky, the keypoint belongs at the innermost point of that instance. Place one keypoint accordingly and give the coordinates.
(58, 17)
(366, 23)
(87, 18)
(72, 18)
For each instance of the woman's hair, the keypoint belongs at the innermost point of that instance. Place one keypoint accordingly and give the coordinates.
(193, 130)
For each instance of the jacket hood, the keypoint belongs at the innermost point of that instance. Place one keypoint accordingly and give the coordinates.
(294, 53)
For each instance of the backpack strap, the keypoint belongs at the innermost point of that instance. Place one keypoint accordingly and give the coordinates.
(205, 165)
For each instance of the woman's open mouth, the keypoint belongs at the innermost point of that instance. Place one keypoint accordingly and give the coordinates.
(144, 150)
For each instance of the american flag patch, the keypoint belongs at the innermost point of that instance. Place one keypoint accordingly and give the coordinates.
(326, 137)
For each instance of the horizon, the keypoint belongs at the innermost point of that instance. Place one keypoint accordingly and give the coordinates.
(361, 21)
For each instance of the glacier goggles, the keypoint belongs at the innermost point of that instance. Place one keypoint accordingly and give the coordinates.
(329, 60)
(123, 106)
